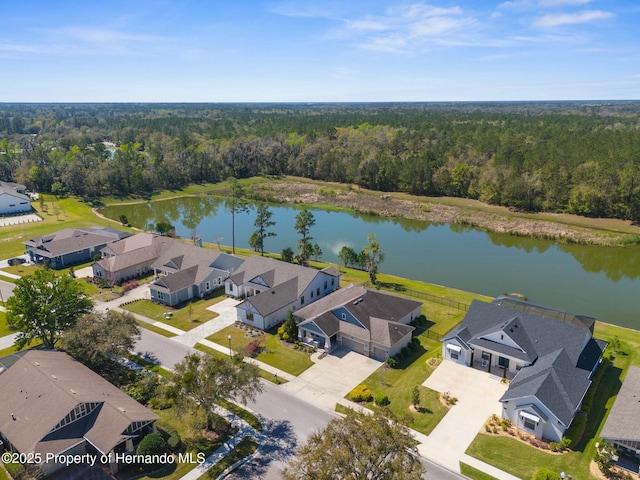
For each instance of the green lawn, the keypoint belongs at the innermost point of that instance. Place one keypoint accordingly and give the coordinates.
(4, 327)
(274, 353)
(263, 373)
(474, 473)
(245, 448)
(193, 441)
(523, 460)
(3, 473)
(153, 328)
(186, 317)
(398, 383)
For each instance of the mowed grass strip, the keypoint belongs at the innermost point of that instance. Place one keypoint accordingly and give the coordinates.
(263, 373)
(274, 353)
(5, 329)
(188, 316)
(398, 384)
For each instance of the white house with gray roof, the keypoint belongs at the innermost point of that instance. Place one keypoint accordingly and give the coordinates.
(550, 359)
(355, 318)
(13, 199)
(185, 271)
(271, 288)
(622, 428)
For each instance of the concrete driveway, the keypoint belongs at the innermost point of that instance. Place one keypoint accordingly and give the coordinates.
(226, 316)
(478, 394)
(331, 378)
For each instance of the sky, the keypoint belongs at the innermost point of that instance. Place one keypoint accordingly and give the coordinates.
(319, 50)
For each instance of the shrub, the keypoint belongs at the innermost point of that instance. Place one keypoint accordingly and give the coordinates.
(152, 444)
(511, 432)
(453, 400)
(533, 442)
(494, 430)
(575, 431)
(392, 362)
(253, 348)
(554, 446)
(360, 394)
(487, 429)
(381, 399)
(544, 473)
(174, 442)
(415, 341)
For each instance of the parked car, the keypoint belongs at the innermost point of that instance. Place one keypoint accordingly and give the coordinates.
(16, 261)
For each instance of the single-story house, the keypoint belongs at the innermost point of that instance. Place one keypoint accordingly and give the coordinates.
(185, 271)
(271, 288)
(622, 428)
(130, 257)
(13, 198)
(52, 404)
(71, 245)
(551, 358)
(366, 321)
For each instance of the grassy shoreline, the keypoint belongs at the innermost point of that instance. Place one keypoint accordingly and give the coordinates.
(303, 192)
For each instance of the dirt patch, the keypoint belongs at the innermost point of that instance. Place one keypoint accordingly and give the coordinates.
(393, 205)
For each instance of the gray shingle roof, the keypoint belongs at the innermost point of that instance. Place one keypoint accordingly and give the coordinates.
(13, 189)
(377, 312)
(563, 354)
(623, 422)
(70, 240)
(44, 386)
(134, 250)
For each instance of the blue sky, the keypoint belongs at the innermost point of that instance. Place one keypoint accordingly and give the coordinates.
(318, 50)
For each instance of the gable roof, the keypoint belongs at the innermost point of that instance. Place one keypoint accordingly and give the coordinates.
(69, 240)
(14, 190)
(376, 313)
(190, 265)
(286, 282)
(562, 354)
(134, 250)
(623, 422)
(41, 388)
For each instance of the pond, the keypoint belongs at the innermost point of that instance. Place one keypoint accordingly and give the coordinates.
(603, 282)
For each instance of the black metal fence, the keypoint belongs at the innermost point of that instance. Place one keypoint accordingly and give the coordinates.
(422, 295)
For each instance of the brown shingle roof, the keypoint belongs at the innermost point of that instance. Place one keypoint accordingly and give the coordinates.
(41, 388)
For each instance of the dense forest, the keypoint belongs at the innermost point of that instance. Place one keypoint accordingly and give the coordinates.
(561, 157)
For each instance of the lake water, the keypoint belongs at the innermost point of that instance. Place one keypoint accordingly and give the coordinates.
(603, 282)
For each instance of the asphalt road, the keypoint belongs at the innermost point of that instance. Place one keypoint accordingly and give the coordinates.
(161, 349)
(287, 420)
(6, 289)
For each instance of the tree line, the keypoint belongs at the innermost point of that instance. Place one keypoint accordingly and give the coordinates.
(557, 157)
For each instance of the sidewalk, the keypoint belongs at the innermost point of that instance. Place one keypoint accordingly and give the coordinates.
(7, 341)
(244, 430)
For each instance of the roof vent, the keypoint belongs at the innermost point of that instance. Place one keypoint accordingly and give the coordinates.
(121, 409)
(37, 364)
(54, 377)
(72, 391)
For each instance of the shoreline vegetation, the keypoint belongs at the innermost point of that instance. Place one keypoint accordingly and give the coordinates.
(562, 228)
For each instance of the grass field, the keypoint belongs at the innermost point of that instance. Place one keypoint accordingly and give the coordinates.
(245, 448)
(4, 327)
(474, 473)
(263, 373)
(274, 353)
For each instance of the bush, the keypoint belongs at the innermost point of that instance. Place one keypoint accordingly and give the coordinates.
(575, 431)
(544, 473)
(152, 444)
(415, 342)
(392, 362)
(381, 399)
(174, 442)
(253, 348)
(360, 394)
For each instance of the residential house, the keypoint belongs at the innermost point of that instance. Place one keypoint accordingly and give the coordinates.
(13, 199)
(551, 359)
(130, 257)
(52, 404)
(186, 271)
(71, 245)
(355, 318)
(271, 288)
(622, 428)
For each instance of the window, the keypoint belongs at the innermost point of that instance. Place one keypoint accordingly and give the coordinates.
(318, 291)
(250, 316)
(160, 295)
(208, 286)
(486, 356)
(302, 300)
(454, 355)
(325, 284)
(311, 293)
(332, 280)
(530, 424)
(344, 316)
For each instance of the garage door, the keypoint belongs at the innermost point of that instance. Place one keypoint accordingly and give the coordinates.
(379, 354)
(354, 345)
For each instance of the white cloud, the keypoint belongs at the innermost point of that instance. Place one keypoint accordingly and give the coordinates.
(562, 3)
(558, 19)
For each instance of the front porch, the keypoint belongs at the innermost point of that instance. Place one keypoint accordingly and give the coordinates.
(497, 370)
